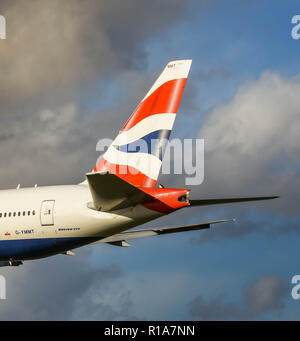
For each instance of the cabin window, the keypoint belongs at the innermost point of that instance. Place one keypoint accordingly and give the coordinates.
(14, 214)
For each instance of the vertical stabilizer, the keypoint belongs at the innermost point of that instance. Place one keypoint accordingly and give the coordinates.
(136, 153)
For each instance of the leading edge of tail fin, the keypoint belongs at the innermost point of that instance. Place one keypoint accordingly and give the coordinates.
(136, 153)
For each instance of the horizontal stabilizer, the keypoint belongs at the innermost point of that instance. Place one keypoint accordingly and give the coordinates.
(205, 202)
(121, 243)
(109, 192)
(154, 232)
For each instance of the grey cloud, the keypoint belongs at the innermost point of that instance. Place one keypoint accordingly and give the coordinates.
(264, 295)
(105, 302)
(47, 66)
(63, 288)
(250, 219)
(6, 136)
(51, 45)
(214, 309)
(230, 230)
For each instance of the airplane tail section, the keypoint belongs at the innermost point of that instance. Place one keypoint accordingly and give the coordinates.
(136, 153)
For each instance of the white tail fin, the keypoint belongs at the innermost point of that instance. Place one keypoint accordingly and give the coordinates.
(136, 153)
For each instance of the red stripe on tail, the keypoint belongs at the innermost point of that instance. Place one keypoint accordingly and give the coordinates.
(165, 99)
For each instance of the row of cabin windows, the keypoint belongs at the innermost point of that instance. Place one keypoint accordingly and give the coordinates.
(15, 214)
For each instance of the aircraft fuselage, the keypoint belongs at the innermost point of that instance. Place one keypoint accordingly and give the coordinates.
(44, 221)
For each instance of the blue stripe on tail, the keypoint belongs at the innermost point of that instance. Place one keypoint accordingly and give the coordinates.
(153, 143)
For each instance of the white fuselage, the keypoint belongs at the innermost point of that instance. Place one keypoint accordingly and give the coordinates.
(43, 221)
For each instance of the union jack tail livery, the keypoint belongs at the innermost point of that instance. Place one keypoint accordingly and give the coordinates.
(136, 153)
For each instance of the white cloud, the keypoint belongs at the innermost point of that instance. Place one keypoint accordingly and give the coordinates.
(264, 114)
(252, 143)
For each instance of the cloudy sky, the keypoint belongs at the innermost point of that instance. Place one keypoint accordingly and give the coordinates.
(73, 71)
